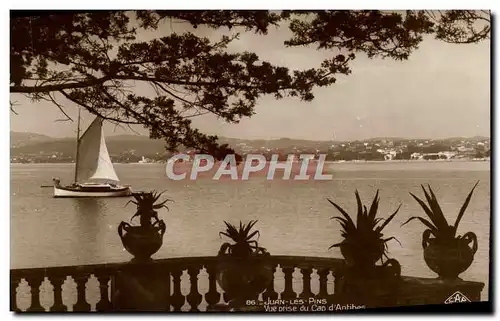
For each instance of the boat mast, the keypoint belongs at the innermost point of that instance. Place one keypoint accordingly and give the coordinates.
(77, 145)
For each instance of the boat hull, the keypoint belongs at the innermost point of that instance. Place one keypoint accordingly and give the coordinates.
(70, 191)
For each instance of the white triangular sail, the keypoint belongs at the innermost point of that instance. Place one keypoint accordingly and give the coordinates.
(94, 163)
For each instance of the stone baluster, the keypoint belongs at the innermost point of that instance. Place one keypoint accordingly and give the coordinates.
(194, 298)
(14, 283)
(57, 283)
(306, 281)
(337, 282)
(226, 297)
(288, 292)
(35, 282)
(323, 282)
(177, 300)
(81, 304)
(212, 296)
(104, 304)
(270, 293)
(170, 268)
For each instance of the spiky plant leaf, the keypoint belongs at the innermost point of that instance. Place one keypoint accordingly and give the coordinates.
(242, 237)
(426, 209)
(378, 220)
(374, 207)
(249, 226)
(340, 219)
(146, 206)
(136, 214)
(343, 212)
(439, 227)
(464, 207)
(360, 208)
(231, 231)
(362, 239)
(133, 202)
(425, 222)
(348, 226)
(249, 237)
(439, 219)
(388, 220)
(223, 233)
(336, 245)
(392, 238)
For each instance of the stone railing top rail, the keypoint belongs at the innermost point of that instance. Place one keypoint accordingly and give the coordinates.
(177, 263)
(180, 262)
(419, 281)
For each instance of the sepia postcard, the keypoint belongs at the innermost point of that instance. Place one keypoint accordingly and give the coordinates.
(283, 161)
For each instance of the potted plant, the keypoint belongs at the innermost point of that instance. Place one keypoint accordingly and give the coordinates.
(363, 245)
(243, 268)
(144, 240)
(444, 252)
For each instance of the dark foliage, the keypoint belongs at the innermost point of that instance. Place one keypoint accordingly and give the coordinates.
(363, 240)
(147, 206)
(243, 243)
(95, 59)
(438, 226)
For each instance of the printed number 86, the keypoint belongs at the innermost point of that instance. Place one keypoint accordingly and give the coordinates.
(250, 302)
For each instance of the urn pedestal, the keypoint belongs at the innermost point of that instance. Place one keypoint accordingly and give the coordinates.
(377, 286)
(141, 288)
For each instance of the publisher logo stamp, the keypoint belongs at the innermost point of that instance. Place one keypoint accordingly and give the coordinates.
(457, 297)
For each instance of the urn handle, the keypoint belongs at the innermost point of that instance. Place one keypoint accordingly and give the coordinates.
(393, 266)
(123, 227)
(161, 227)
(426, 237)
(471, 237)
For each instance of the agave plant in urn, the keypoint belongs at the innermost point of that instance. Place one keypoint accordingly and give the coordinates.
(244, 270)
(363, 281)
(144, 240)
(445, 252)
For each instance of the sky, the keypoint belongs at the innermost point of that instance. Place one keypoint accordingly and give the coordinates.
(442, 90)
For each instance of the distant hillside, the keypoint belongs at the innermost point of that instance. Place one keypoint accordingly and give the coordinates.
(282, 143)
(377, 139)
(398, 139)
(140, 145)
(476, 138)
(30, 143)
(18, 139)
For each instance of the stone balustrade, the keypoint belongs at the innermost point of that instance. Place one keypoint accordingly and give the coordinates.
(190, 284)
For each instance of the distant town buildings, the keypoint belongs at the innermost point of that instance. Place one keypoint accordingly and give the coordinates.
(369, 150)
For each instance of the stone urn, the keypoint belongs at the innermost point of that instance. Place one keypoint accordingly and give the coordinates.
(365, 258)
(449, 259)
(144, 240)
(141, 241)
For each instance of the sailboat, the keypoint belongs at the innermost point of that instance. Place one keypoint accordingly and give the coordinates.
(95, 175)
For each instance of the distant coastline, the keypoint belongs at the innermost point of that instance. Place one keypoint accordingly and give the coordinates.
(470, 160)
(30, 148)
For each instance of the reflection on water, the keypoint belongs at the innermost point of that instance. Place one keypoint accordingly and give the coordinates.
(86, 206)
(87, 212)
